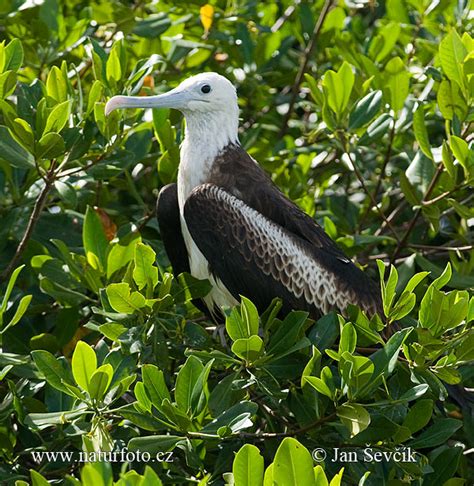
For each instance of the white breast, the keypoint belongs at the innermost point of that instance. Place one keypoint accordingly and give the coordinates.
(193, 171)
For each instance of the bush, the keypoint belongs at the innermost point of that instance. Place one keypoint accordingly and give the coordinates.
(363, 115)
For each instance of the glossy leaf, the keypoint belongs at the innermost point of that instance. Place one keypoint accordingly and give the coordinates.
(84, 364)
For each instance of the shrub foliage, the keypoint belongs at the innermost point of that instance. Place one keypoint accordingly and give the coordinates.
(363, 114)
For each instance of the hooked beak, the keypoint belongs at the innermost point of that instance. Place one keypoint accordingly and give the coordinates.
(175, 98)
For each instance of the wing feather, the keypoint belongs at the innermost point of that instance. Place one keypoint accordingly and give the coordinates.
(257, 257)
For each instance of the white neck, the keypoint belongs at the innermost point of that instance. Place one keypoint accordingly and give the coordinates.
(207, 133)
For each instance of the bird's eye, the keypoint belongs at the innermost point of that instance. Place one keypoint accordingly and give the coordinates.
(206, 89)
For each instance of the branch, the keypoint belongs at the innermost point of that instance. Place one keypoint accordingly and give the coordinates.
(286, 15)
(408, 231)
(304, 64)
(364, 187)
(387, 158)
(266, 435)
(35, 214)
(443, 248)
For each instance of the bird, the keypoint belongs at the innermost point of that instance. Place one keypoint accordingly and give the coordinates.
(226, 221)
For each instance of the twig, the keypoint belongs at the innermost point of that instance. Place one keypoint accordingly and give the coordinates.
(387, 158)
(304, 64)
(442, 248)
(286, 15)
(390, 217)
(364, 187)
(266, 435)
(445, 194)
(290, 433)
(70, 172)
(35, 214)
(408, 231)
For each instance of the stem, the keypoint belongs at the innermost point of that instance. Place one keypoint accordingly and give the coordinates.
(356, 170)
(35, 214)
(301, 430)
(387, 158)
(402, 242)
(304, 64)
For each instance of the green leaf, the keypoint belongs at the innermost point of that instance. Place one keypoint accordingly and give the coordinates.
(112, 331)
(365, 110)
(122, 300)
(58, 117)
(293, 464)
(385, 359)
(415, 281)
(50, 146)
(268, 477)
(325, 331)
(377, 129)
(249, 349)
(100, 381)
(23, 133)
(236, 417)
(13, 55)
(444, 465)
(7, 84)
(94, 240)
(316, 92)
(122, 252)
(67, 192)
(248, 466)
(200, 391)
(144, 421)
(288, 332)
(84, 363)
(452, 53)
(185, 382)
(398, 81)
(155, 385)
(150, 478)
(53, 371)
(250, 317)
(354, 416)
(348, 340)
(419, 415)
(415, 392)
(113, 68)
(8, 291)
(95, 94)
(12, 152)
(192, 287)
(145, 273)
(319, 385)
(388, 36)
(456, 280)
(154, 443)
(20, 311)
(339, 87)
(56, 85)
(460, 150)
(437, 434)
(234, 325)
(440, 311)
(450, 100)
(421, 134)
(37, 479)
(320, 476)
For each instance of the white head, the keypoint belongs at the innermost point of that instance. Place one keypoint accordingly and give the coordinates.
(207, 100)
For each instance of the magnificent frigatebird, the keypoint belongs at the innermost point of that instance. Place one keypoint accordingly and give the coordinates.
(226, 221)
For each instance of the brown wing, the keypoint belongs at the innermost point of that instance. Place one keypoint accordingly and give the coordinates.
(259, 258)
(235, 171)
